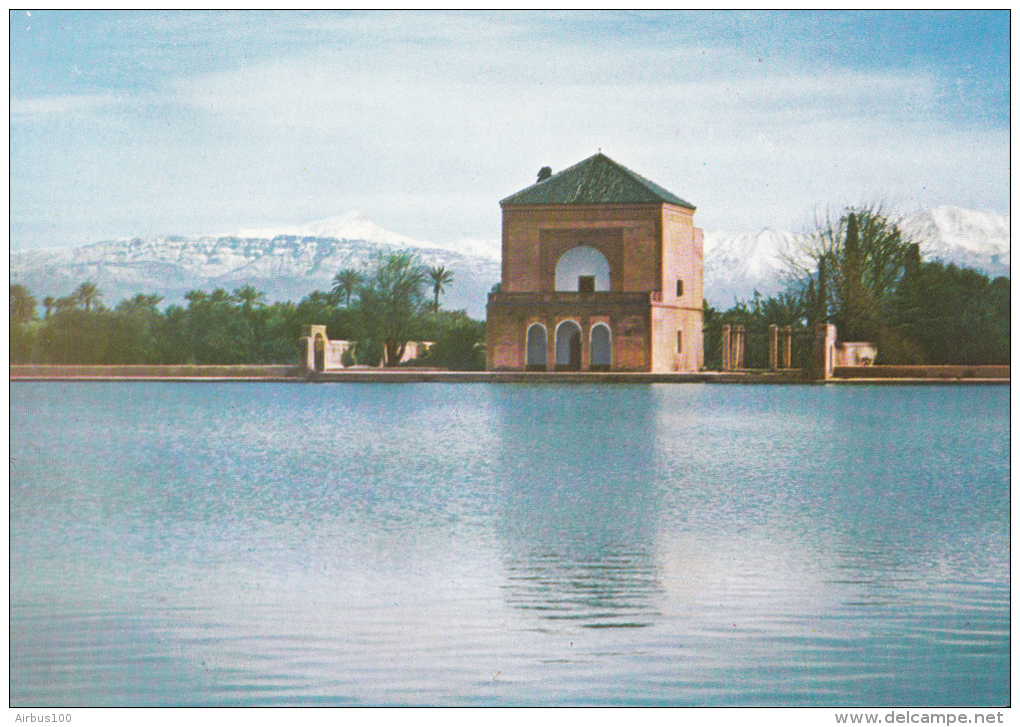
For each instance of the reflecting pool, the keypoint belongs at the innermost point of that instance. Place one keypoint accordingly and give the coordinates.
(481, 544)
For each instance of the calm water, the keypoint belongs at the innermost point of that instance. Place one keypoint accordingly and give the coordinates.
(238, 544)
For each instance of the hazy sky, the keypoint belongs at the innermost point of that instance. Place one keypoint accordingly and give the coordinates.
(136, 123)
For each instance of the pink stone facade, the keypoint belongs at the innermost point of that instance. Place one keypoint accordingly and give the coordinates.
(648, 319)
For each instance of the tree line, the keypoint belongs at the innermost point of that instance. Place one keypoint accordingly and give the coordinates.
(860, 272)
(857, 271)
(383, 305)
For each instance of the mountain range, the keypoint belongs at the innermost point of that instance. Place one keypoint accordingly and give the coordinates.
(737, 264)
(287, 263)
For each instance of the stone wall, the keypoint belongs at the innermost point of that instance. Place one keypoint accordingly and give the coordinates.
(856, 353)
(143, 371)
(922, 372)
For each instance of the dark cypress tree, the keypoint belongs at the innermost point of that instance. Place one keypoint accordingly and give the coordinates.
(856, 307)
(912, 260)
(822, 312)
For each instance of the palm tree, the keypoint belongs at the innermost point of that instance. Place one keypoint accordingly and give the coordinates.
(88, 294)
(50, 302)
(67, 302)
(440, 277)
(248, 297)
(784, 309)
(141, 302)
(346, 282)
(219, 295)
(194, 297)
(392, 301)
(22, 304)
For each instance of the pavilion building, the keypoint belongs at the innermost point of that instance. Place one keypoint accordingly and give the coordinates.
(602, 271)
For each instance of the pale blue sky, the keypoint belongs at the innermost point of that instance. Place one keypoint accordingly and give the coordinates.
(137, 123)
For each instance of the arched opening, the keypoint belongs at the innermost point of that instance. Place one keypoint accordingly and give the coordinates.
(536, 350)
(320, 352)
(578, 267)
(568, 346)
(601, 350)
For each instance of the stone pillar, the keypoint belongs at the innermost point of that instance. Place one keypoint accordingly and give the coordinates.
(824, 351)
(726, 347)
(550, 344)
(737, 338)
(787, 347)
(773, 347)
(585, 343)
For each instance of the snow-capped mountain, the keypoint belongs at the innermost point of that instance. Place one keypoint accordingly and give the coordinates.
(355, 226)
(351, 226)
(970, 239)
(290, 262)
(737, 264)
(286, 263)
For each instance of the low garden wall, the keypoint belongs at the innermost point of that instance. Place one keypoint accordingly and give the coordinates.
(50, 371)
(921, 372)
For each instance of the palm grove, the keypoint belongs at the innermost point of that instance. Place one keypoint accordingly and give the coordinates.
(857, 270)
(380, 307)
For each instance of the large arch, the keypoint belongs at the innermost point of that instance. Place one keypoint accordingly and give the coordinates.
(601, 348)
(536, 356)
(578, 262)
(568, 346)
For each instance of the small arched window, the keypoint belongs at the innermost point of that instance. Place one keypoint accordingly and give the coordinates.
(679, 288)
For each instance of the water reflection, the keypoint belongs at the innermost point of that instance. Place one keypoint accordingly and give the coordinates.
(579, 519)
(508, 545)
(615, 589)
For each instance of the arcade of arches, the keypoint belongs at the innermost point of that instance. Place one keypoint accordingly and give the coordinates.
(568, 347)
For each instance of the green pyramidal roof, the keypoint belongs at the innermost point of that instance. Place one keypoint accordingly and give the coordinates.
(596, 180)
